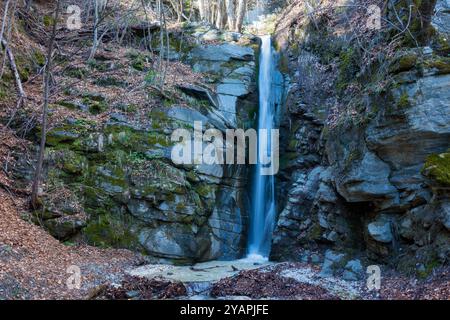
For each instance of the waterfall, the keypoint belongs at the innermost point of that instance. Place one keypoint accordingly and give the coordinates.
(263, 206)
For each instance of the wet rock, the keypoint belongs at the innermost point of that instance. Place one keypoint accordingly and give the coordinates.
(315, 258)
(334, 262)
(368, 180)
(380, 230)
(64, 229)
(224, 52)
(406, 228)
(353, 270)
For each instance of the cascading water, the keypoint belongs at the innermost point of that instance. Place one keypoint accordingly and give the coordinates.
(263, 210)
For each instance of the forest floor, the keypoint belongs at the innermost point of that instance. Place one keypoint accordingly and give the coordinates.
(34, 265)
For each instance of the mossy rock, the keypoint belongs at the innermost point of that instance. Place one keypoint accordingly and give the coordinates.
(108, 81)
(442, 46)
(75, 72)
(60, 136)
(403, 101)
(67, 134)
(404, 63)
(74, 163)
(441, 64)
(63, 229)
(437, 167)
(107, 230)
(130, 139)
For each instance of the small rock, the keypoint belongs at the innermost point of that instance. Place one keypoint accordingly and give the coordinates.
(332, 263)
(427, 51)
(315, 258)
(304, 257)
(132, 294)
(380, 230)
(353, 270)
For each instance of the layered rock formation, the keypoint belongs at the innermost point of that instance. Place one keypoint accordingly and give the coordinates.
(365, 166)
(122, 175)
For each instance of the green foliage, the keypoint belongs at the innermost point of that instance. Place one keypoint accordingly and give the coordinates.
(348, 67)
(403, 101)
(110, 81)
(151, 76)
(437, 167)
(442, 64)
(48, 20)
(39, 58)
(74, 72)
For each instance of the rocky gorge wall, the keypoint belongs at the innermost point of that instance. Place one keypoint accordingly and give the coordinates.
(113, 183)
(365, 165)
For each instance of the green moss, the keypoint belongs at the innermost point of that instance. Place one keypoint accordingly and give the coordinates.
(4, 90)
(74, 72)
(39, 58)
(204, 190)
(403, 101)
(138, 64)
(134, 140)
(441, 64)
(286, 159)
(97, 65)
(95, 106)
(107, 230)
(315, 232)
(283, 65)
(108, 81)
(73, 163)
(348, 67)
(443, 46)
(48, 20)
(406, 62)
(437, 167)
(24, 67)
(67, 134)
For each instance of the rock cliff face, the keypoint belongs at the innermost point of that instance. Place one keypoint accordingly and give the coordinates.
(122, 175)
(365, 166)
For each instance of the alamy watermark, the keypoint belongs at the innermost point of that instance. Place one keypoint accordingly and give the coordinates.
(373, 282)
(210, 147)
(74, 280)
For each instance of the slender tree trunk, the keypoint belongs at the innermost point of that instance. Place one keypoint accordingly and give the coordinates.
(28, 6)
(221, 18)
(231, 13)
(14, 70)
(95, 40)
(242, 6)
(426, 11)
(202, 9)
(5, 15)
(47, 74)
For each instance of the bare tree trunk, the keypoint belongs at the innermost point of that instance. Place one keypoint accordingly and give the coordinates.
(5, 14)
(14, 70)
(28, 6)
(231, 13)
(95, 40)
(221, 18)
(242, 6)
(202, 9)
(47, 74)
(426, 11)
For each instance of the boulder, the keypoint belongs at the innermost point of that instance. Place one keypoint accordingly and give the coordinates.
(380, 230)
(334, 262)
(353, 270)
(367, 180)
